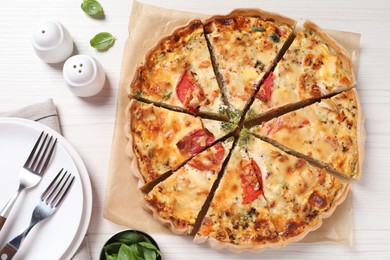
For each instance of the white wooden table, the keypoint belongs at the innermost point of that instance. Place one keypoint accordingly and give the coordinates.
(88, 123)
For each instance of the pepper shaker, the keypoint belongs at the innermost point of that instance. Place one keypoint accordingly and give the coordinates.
(84, 75)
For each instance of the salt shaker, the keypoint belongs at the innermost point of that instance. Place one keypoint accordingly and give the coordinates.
(84, 75)
(51, 41)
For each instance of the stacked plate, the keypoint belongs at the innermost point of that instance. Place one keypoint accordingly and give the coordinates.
(60, 236)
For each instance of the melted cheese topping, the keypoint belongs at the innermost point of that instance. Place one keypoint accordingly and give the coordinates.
(296, 192)
(244, 48)
(157, 131)
(265, 195)
(295, 195)
(229, 220)
(180, 197)
(186, 50)
(310, 68)
(325, 131)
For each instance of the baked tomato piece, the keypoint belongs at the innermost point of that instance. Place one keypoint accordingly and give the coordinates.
(189, 92)
(251, 180)
(195, 141)
(209, 159)
(265, 91)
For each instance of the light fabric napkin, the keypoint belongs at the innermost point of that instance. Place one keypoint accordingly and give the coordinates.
(46, 113)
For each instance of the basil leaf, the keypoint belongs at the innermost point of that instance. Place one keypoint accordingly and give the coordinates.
(134, 246)
(102, 41)
(128, 252)
(150, 254)
(92, 8)
(148, 246)
(112, 257)
(131, 238)
(112, 248)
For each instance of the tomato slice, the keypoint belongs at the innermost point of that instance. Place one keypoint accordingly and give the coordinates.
(220, 151)
(195, 141)
(210, 159)
(189, 92)
(274, 126)
(184, 87)
(251, 181)
(265, 91)
(250, 194)
(279, 124)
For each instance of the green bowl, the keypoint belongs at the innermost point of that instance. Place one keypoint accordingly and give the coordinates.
(114, 238)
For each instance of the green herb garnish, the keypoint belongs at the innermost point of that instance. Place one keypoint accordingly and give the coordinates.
(258, 29)
(274, 37)
(235, 115)
(245, 137)
(92, 8)
(167, 95)
(102, 41)
(223, 111)
(230, 139)
(259, 65)
(138, 94)
(226, 126)
(250, 114)
(131, 245)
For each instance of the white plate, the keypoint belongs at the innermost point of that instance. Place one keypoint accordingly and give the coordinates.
(59, 236)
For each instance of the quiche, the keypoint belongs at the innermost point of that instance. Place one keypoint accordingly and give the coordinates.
(178, 74)
(178, 200)
(314, 66)
(329, 133)
(267, 198)
(244, 45)
(298, 194)
(238, 216)
(162, 139)
(243, 131)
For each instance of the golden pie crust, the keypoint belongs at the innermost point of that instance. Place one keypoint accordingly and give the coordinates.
(135, 169)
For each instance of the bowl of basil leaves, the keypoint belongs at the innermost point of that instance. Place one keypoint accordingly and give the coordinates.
(130, 244)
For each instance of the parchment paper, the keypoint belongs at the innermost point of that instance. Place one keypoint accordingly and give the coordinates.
(147, 25)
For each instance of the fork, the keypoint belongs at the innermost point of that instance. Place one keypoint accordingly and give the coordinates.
(32, 170)
(47, 205)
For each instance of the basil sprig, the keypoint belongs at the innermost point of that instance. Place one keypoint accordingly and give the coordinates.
(102, 41)
(131, 245)
(92, 8)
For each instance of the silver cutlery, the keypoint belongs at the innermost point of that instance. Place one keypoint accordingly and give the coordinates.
(47, 205)
(32, 170)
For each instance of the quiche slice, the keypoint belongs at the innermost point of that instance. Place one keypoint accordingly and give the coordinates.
(330, 133)
(177, 200)
(178, 74)
(160, 140)
(268, 198)
(238, 217)
(299, 195)
(244, 44)
(314, 66)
